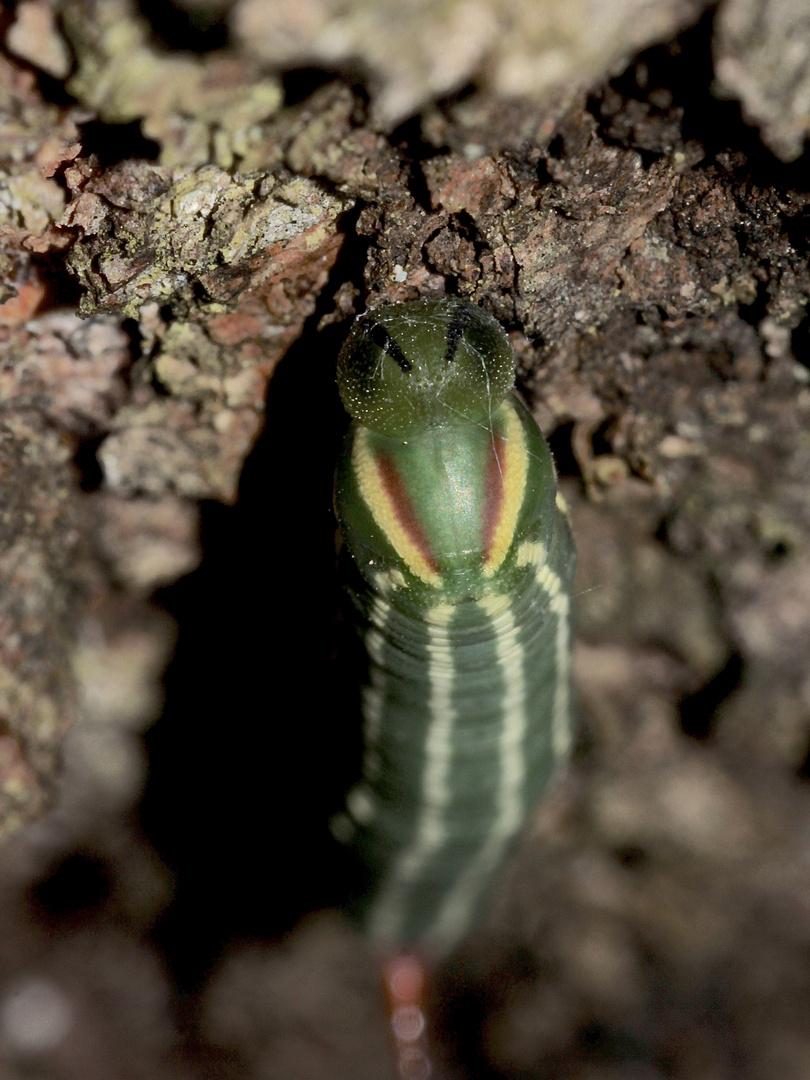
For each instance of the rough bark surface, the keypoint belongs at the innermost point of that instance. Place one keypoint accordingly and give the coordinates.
(184, 239)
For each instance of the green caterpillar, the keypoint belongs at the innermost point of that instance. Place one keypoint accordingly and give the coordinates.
(460, 571)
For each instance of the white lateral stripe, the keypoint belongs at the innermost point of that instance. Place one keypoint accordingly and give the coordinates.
(360, 802)
(373, 695)
(559, 603)
(551, 584)
(510, 798)
(431, 829)
(372, 724)
(560, 720)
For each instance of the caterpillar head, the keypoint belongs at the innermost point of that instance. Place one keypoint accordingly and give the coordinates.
(408, 367)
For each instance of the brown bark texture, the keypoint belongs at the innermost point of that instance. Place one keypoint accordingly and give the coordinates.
(195, 200)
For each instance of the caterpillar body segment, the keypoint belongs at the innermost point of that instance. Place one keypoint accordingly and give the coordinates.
(459, 568)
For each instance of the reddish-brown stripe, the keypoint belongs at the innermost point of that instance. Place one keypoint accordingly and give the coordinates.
(493, 490)
(394, 487)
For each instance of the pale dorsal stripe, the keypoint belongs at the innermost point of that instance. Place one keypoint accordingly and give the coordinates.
(361, 802)
(511, 797)
(374, 692)
(431, 828)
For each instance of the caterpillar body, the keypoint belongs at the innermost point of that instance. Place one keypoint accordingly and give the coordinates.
(459, 568)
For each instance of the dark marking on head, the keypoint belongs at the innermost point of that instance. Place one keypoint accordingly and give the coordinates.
(455, 331)
(383, 340)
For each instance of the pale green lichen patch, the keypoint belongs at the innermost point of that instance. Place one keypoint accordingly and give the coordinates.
(190, 105)
(35, 138)
(224, 253)
(31, 200)
(149, 233)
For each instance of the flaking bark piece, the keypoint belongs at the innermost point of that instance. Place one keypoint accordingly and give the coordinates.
(240, 260)
(35, 38)
(69, 370)
(197, 237)
(762, 56)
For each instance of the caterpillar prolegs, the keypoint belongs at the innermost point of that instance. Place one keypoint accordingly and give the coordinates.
(459, 571)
